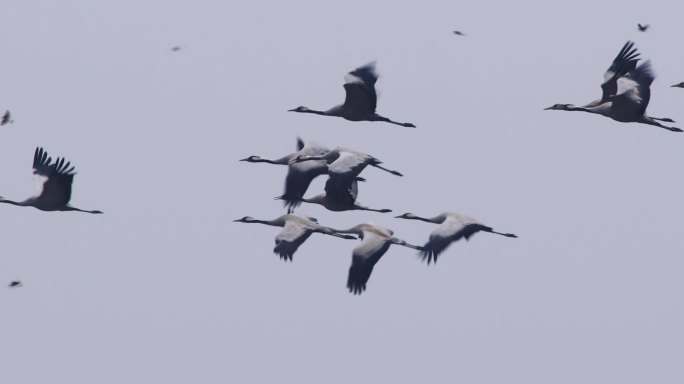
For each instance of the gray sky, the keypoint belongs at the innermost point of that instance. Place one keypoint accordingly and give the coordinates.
(164, 288)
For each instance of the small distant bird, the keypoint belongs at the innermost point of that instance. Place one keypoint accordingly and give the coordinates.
(176, 48)
(296, 229)
(680, 85)
(459, 33)
(6, 118)
(375, 241)
(626, 92)
(361, 99)
(15, 284)
(643, 28)
(54, 185)
(452, 227)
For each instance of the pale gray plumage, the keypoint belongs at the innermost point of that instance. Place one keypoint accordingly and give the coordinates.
(375, 241)
(452, 227)
(296, 229)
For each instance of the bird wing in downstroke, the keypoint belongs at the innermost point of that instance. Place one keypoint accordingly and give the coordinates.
(289, 239)
(299, 178)
(450, 230)
(359, 86)
(624, 62)
(341, 189)
(54, 179)
(300, 175)
(364, 258)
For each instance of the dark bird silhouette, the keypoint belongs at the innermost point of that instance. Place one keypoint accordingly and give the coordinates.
(15, 284)
(6, 118)
(642, 28)
(626, 92)
(299, 174)
(176, 48)
(361, 100)
(375, 241)
(296, 229)
(54, 185)
(452, 227)
(459, 33)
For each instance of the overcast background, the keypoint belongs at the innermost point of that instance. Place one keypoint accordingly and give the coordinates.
(165, 288)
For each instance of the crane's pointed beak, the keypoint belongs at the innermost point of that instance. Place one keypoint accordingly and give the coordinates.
(546, 109)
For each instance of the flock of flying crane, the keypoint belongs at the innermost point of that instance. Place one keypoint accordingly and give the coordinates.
(626, 94)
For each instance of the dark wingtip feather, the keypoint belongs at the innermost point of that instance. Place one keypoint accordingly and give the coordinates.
(428, 254)
(366, 73)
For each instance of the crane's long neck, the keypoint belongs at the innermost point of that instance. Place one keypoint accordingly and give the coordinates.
(19, 203)
(581, 109)
(282, 161)
(265, 222)
(324, 113)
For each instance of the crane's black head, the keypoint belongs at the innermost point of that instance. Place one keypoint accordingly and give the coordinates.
(406, 216)
(560, 107)
(251, 159)
(299, 109)
(246, 219)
